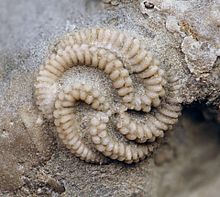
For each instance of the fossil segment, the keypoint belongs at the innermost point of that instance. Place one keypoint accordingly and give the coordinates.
(156, 122)
(57, 64)
(134, 55)
(66, 123)
(140, 84)
(107, 145)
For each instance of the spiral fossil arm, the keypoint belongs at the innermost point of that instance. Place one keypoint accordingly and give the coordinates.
(123, 59)
(138, 60)
(113, 149)
(66, 123)
(57, 64)
(162, 118)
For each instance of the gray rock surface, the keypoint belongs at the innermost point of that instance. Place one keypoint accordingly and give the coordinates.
(184, 35)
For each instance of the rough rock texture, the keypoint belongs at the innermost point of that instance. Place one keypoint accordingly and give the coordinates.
(183, 35)
(194, 24)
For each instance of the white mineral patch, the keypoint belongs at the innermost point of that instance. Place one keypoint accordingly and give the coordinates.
(172, 24)
(217, 52)
(70, 26)
(175, 6)
(215, 14)
(4, 134)
(200, 56)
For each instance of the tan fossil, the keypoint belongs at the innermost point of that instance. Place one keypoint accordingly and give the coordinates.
(127, 132)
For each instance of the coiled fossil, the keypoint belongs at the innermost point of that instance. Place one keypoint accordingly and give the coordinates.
(125, 129)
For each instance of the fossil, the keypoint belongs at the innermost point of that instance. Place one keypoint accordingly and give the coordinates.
(126, 128)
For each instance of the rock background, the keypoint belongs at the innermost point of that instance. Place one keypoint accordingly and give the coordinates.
(184, 35)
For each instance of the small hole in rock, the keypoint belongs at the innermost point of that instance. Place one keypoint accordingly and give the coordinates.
(148, 5)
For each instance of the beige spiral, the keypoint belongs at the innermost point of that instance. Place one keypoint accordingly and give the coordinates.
(127, 133)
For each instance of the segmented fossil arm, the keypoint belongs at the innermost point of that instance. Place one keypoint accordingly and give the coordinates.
(58, 63)
(109, 130)
(157, 121)
(134, 55)
(67, 127)
(122, 151)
